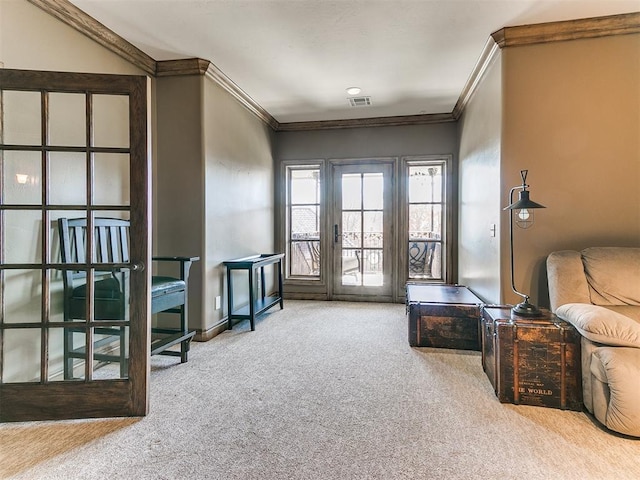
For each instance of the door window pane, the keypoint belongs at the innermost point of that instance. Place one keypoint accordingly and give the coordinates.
(110, 121)
(22, 236)
(21, 355)
(372, 273)
(21, 178)
(67, 119)
(351, 272)
(69, 365)
(22, 290)
(111, 179)
(21, 124)
(67, 178)
(351, 229)
(372, 229)
(67, 353)
(110, 355)
(373, 191)
(351, 191)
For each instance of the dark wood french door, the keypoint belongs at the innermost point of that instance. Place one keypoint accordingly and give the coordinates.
(71, 146)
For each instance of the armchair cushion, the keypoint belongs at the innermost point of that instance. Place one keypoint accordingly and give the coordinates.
(601, 325)
(613, 274)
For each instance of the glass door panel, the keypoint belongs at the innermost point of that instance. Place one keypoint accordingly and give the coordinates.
(362, 229)
(67, 119)
(21, 115)
(21, 178)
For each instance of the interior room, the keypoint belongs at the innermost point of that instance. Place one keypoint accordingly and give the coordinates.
(332, 153)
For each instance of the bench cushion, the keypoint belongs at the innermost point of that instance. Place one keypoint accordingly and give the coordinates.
(109, 288)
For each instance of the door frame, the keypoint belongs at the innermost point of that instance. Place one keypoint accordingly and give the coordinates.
(333, 263)
(54, 400)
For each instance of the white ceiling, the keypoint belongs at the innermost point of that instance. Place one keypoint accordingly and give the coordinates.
(296, 58)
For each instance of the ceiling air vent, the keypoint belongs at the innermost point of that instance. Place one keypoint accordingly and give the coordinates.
(360, 101)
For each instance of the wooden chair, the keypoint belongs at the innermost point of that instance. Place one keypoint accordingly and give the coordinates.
(168, 294)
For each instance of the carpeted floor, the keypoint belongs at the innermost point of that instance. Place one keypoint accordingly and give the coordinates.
(322, 390)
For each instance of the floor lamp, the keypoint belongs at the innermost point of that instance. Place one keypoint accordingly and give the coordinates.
(523, 212)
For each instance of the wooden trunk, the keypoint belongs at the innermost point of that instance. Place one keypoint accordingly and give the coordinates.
(532, 361)
(443, 316)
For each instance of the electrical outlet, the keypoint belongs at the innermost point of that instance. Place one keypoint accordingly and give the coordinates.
(218, 302)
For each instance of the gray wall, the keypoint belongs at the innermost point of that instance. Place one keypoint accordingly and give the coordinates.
(239, 195)
(179, 181)
(479, 184)
(367, 142)
(215, 187)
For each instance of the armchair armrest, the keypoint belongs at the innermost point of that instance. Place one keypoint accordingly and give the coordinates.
(185, 264)
(176, 259)
(601, 325)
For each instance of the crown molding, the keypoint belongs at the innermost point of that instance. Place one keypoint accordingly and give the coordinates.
(218, 76)
(71, 15)
(198, 66)
(366, 122)
(488, 55)
(186, 66)
(568, 30)
(543, 33)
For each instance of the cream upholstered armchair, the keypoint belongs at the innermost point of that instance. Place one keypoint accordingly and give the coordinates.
(598, 291)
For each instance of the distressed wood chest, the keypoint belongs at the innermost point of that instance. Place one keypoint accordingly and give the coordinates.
(443, 316)
(532, 361)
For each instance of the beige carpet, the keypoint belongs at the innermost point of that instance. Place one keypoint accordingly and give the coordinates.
(322, 390)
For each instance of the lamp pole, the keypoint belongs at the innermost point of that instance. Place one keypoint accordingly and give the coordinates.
(522, 206)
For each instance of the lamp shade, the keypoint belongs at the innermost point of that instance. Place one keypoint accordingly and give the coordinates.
(523, 202)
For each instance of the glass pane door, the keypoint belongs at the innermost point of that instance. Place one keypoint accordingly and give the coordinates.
(362, 263)
(74, 308)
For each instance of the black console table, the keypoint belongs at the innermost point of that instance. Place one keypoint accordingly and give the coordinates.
(256, 305)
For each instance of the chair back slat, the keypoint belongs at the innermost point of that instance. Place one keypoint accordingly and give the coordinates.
(110, 245)
(78, 247)
(124, 243)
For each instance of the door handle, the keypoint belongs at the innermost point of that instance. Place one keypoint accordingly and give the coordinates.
(336, 233)
(137, 267)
